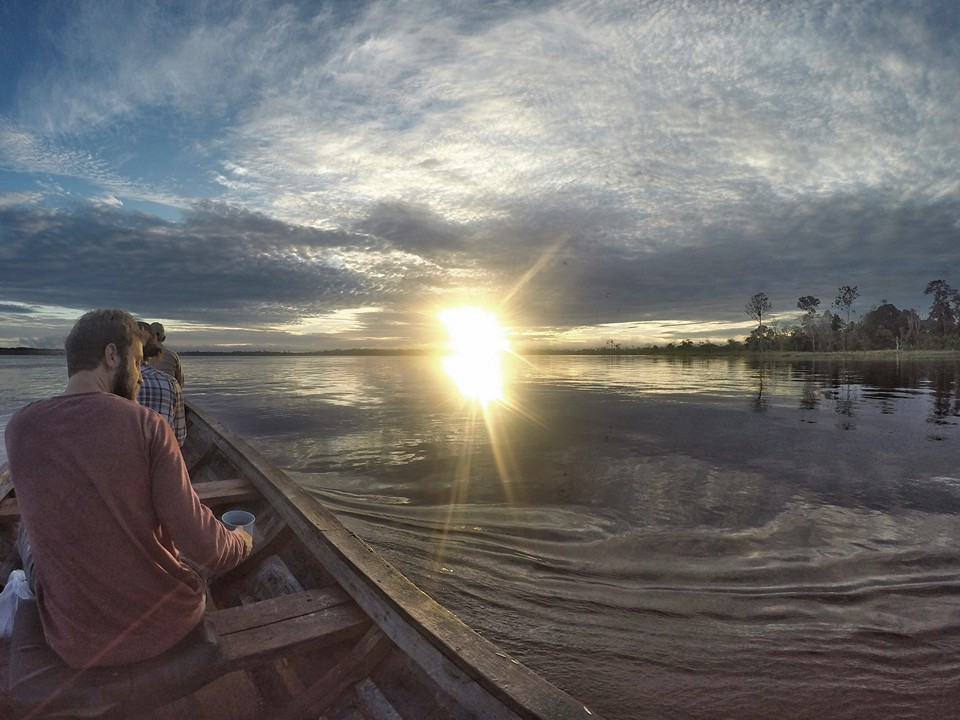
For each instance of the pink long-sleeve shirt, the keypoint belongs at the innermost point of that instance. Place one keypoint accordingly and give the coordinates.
(110, 514)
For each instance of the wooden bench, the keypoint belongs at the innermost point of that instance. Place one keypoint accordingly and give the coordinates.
(231, 639)
(290, 623)
(213, 493)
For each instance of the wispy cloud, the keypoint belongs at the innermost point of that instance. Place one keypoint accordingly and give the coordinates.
(654, 161)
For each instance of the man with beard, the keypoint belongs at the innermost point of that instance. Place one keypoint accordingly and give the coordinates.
(158, 390)
(108, 509)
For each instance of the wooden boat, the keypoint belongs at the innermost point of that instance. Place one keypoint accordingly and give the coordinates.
(315, 624)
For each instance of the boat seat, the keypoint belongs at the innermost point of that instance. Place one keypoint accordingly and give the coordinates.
(43, 686)
(211, 494)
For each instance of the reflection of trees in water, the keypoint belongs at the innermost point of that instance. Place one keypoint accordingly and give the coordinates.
(945, 382)
(843, 388)
(832, 381)
(810, 384)
(850, 383)
(845, 406)
(759, 403)
(809, 395)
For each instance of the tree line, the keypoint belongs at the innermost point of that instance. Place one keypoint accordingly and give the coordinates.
(841, 329)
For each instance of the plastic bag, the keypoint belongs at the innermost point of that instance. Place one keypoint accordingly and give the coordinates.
(15, 590)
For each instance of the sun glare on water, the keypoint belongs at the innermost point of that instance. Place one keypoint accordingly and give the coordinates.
(475, 360)
(476, 347)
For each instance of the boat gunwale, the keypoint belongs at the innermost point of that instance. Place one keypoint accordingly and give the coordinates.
(471, 668)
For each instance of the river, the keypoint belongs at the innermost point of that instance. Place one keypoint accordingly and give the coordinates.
(661, 537)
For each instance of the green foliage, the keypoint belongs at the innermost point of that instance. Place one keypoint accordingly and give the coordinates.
(885, 327)
(945, 308)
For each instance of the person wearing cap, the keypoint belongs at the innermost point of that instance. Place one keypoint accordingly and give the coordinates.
(167, 360)
(158, 391)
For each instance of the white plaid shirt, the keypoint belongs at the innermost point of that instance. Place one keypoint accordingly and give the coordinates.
(161, 393)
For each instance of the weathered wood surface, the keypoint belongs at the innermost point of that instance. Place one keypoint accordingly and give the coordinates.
(213, 493)
(286, 624)
(476, 673)
(351, 669)
(331, 626)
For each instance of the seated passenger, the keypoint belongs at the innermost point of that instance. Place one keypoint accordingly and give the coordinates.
(159, 391)
(108, 508)
(167, 360)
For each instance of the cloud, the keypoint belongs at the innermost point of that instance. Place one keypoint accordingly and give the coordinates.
(13, 199)
(579, 163)
(16, 309)
(225, 265)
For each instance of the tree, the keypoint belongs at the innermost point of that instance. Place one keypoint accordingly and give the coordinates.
(827, 324)
(942, 317)
(884, 328)
(844, 301)
(756, 307)
(809, 304)
(914, 324)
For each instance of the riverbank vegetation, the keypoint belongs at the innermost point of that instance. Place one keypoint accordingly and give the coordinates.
(880, 332)
(884, 327)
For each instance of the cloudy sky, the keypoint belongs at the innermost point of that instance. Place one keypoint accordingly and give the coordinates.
(316, 175)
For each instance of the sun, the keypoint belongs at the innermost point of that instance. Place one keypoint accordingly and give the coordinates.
(476, 346)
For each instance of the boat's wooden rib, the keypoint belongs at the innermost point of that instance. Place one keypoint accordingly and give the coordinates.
(322, 622)
(213, 493)
(355, 667)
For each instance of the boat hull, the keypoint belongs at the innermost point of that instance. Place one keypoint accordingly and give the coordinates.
(409, 657)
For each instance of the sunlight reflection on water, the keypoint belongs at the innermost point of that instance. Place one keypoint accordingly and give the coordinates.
(719, 538)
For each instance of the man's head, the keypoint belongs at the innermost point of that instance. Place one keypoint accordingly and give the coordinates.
(151, 348)
(159, 331)
(111, 340)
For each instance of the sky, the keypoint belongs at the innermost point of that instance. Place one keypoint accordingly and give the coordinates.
(330, 175)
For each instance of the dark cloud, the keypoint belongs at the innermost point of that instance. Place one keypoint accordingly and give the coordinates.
(225, 265)
(219, 265)
(344, 169)
(412, 228)
(889, 251)
(16, 310)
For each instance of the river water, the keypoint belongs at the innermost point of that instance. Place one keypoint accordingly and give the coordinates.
(662, 538)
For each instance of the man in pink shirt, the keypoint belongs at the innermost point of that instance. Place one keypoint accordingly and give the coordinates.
(108, 508)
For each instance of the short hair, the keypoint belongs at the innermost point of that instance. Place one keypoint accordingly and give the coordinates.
(92, 333)
(151, 346)
(146, 329)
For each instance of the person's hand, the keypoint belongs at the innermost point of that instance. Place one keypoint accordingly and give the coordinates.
(247, 540)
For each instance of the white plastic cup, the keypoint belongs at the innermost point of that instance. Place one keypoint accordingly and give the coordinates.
(239, 519)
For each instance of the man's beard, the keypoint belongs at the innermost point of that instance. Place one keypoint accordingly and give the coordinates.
(123, 384)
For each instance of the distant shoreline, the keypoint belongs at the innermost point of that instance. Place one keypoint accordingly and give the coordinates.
(594, 352)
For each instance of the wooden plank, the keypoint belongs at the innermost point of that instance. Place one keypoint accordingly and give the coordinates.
(219, 492)
(215, 492)
(6, 487)
(279, 537)
(374, 703)
(288, 676)
(288, 623)
(194, 464)
(328, 627)
(9, 510)
(278, 609)
(487, 681)
(356, 666)
(6, 482)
